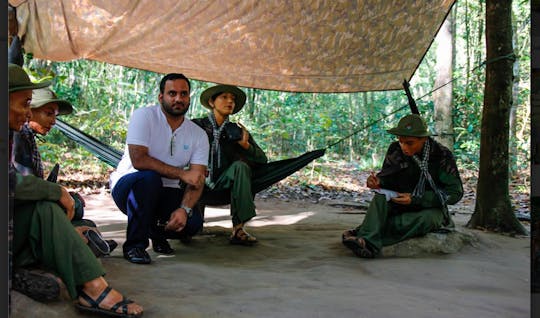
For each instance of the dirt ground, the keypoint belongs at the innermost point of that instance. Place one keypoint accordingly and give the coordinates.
(300, 269)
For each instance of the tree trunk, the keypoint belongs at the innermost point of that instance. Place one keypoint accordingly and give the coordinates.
(443, 97)
(352, 108)
(493, 208)
(513, 152)
(467, 48)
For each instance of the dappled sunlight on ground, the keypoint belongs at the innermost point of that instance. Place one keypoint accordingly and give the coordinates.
(221, 217)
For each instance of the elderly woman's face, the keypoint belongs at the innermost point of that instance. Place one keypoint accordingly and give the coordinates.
(19, 108)
(224, 103)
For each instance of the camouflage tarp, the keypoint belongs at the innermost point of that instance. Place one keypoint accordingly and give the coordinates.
(308, 46)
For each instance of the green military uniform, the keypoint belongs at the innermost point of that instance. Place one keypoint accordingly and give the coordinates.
(432, 179)
(44, 236)
(231, 168)
(387, 223)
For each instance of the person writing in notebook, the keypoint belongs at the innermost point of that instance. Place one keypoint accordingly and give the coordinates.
(423, 179)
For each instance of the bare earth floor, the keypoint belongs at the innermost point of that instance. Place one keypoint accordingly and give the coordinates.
(301, 269)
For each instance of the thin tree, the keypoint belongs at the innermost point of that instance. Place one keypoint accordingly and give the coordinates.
(493, 209)
(442, 98)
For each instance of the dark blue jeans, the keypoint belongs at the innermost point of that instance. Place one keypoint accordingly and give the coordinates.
(141, 196)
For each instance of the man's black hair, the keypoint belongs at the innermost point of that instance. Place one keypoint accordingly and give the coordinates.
(172, 77)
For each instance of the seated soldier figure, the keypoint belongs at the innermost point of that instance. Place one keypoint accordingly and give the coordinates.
(231, 157)
(425, 178)
(42, 232)
(27, 159)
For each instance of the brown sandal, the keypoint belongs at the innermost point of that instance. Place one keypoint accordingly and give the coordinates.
(241, 237)
(359, 247)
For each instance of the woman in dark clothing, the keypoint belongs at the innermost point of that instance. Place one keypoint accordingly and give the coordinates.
(233, 155)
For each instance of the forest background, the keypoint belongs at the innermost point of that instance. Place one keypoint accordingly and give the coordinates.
(288, 124)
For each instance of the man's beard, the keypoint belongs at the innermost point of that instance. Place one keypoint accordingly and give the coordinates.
(168, 108)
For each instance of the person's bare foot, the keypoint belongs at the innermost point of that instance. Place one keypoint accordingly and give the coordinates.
(96, 287)
(359, 247)
(348, 234)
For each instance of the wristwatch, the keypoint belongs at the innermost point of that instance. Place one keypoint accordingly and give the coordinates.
(189, 211)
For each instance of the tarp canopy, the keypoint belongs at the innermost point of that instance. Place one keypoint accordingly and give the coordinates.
(301, 46)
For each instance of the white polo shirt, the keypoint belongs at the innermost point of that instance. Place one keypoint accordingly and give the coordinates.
(148, 127)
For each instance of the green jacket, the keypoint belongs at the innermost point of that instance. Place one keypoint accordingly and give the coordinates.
(231, 151)
(32, 188)
(400, 173)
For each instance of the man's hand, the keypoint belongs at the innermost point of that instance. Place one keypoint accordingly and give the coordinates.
(373, 182)
(192, 177)
(67, 202)
(177, 221)
(402, 198)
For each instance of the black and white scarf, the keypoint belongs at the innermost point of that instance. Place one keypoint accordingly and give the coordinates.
(215, 152)
(420, 187)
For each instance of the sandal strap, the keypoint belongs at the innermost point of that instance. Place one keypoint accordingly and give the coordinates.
(359, 240)
(122, 304)
(240, 235)
(95, 303)
(243, 234)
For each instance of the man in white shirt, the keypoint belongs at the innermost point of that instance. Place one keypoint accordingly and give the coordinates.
(162, 172)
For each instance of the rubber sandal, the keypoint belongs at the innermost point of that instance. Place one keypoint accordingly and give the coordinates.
(241, 237)
(358, 246)
(94, 305)
(97, 244)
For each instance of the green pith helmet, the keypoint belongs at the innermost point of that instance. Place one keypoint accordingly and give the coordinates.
(19, 80)
(411, 125)
(43, 96)
(209, 92)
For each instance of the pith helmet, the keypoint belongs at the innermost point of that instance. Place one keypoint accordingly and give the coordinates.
(19, 80)
(411, 125)
(44, 96)
(218, 89)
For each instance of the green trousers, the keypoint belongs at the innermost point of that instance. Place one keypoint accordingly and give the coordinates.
(237, 178)
(43, 236)
(383, 225)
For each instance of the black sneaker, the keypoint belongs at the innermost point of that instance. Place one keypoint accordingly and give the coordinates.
(37, 284)
(137, 255)
(112, 244)
(162, 246)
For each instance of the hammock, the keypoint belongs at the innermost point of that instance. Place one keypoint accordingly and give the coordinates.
(263, 176)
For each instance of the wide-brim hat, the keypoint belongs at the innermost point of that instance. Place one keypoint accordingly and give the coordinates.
(43, 96)
(19, 80)
(411, 125)
(218, 89)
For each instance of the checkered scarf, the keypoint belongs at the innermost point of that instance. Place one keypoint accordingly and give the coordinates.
(215, 153)
(420, 187)
(29, 136)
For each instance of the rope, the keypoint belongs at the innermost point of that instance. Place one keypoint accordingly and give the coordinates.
(510, 56)
(366, 126)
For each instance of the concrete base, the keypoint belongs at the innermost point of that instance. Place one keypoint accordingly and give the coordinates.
(432, 243)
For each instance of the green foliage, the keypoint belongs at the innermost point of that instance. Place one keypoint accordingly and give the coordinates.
(288, 124)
